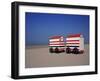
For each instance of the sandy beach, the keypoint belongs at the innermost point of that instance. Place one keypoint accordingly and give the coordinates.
(39, 56)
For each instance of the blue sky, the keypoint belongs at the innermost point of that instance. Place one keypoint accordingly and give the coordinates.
(40, 26)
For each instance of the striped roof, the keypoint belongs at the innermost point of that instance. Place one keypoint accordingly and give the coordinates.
(55, 37)
(73, 35)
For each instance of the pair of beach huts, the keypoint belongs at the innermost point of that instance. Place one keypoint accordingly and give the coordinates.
(71, 44)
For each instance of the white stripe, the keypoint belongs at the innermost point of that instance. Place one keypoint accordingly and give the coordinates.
(51, 40)
(76, 38)
(56, 43)
(73, 42)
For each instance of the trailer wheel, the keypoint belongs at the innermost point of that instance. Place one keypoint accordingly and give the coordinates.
(51, 50)
(81, 52)
(68, 50)
(56, 50)
(76, 50)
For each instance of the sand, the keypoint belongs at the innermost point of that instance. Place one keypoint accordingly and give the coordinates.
(39, 56)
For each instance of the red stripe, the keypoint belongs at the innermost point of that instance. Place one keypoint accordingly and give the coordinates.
(56, 41)
(55, 37)
(73, 43)
(74, 35)
(72, 40)
(56, 44)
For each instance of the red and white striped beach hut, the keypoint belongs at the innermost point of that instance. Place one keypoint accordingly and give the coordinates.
(75, 43)
(56, 43)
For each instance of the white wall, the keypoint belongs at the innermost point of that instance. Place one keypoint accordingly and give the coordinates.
(5, 40)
